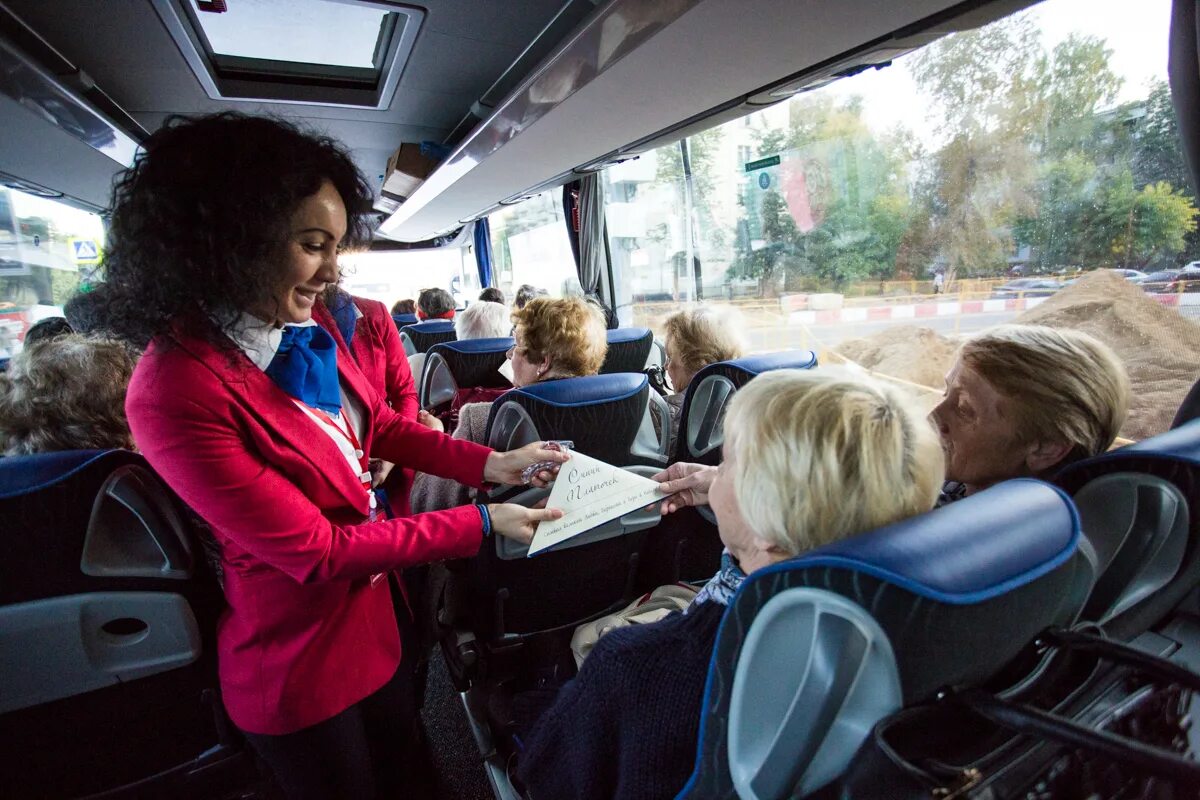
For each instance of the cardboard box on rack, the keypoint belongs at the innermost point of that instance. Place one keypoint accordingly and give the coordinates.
(406, 170)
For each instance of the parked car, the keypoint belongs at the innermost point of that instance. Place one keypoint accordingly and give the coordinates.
(1187, 280)
(1130, 274)
(1026, 287)
(1158, 281)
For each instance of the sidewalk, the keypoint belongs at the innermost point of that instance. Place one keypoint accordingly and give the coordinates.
(948, 308)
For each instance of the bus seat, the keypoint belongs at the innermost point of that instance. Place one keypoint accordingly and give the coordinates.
(108, 613)
(451, 366)
(420, 337)
(686, 545)
(1189, 409)
(1140, 507)
(405, 319)
(813, 651)
(500, 599)
(628, 350)
(711, 389)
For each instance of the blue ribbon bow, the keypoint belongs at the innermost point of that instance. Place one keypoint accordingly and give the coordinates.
(305, 366)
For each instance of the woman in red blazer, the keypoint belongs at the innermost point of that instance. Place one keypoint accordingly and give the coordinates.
(224, 235)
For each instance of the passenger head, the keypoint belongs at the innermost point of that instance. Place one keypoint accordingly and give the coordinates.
(492, 295)
(482, 321)
(87, 313)
(525, 293)
(701, 336)
(230, 213)
(557, 338)
(1025, 400)
(814, 456)
(406, 306)
(66, 393)
(49, 328)
(435, 304)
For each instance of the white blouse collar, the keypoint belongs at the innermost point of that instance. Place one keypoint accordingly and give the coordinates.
(257, 339)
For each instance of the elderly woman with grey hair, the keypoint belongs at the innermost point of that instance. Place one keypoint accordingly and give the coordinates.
(483, 320)
(1027, 400)
(626, 726)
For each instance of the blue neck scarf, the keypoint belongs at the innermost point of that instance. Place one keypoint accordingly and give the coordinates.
(723, 586)
(305, 366)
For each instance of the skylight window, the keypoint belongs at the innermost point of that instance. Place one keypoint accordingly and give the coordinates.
(327, 52)
(311, 32)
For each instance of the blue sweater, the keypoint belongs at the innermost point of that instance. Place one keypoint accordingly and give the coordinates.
(626, 727)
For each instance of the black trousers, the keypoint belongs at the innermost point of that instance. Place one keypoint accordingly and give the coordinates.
(373, 749)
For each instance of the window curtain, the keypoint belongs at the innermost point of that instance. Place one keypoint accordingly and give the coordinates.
(593, 237)
(483, 251)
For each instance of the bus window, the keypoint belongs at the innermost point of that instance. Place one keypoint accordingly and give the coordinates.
(391, 275)
(48, 250)
(530, 245)
(1026, 171)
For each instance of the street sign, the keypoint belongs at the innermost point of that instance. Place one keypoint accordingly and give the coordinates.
(86, 251)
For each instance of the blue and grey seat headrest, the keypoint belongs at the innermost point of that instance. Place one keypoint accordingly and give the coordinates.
(600, 413)
(589, 390)
(741, 370)
(25, 474)
(455, 365)
(432, 326)
(405, 319)
(961, 590)
(628, 350)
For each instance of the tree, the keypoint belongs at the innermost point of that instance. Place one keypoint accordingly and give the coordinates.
(1147, 225)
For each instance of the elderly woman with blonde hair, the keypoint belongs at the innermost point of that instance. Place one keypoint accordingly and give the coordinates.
(693, 339)
(810, 457)
(554, 339)
(66, 393)
(1027, 400)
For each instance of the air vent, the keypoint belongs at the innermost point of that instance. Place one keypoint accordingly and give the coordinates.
(313, 52)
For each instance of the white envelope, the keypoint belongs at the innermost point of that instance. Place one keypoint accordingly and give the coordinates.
(590, 493)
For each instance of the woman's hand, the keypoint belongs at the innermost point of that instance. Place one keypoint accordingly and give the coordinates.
(688, 485)
(518, 522)
(380, 470)
(507, 467)
(430, 421)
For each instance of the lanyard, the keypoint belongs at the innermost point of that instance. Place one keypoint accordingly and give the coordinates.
(347, 433)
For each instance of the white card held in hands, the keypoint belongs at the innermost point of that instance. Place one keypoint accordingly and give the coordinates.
(590, 493)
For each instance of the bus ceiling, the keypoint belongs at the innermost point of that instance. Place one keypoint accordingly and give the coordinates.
(528, 94)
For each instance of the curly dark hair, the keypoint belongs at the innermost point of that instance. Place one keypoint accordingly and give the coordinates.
(200, 222)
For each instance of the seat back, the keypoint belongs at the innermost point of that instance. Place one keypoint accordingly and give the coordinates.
(601, 414)
(451, 366)
(420, 337)
(108, 612)
(1140, 507)
(812, 652)
(505, 595)
(628, 350)
(405, 319)
(709, 393)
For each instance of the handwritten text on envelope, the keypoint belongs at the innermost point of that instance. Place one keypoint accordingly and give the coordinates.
(590, 493)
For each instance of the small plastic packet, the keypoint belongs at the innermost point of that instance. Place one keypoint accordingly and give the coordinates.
(561, 445)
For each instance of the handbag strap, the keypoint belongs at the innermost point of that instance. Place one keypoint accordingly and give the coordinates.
(1035, 722)
(1153, 666)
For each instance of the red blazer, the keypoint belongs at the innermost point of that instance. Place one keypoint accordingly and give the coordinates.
(306, 634)
(380, 355)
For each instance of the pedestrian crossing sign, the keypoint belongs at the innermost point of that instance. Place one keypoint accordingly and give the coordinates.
(86, 251)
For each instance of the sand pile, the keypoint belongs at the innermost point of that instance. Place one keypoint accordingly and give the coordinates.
(1160, 347)
(919, 355)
